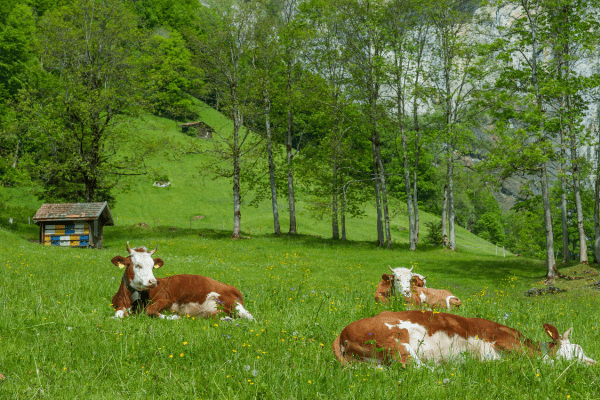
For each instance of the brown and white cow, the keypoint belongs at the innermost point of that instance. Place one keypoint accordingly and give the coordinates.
(386, 288)
(182, 294)
(423, 336)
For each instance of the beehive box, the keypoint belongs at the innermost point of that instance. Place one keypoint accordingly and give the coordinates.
(67, 235)
(73, 224)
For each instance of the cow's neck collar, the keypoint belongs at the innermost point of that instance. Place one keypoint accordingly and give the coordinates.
(135, 294)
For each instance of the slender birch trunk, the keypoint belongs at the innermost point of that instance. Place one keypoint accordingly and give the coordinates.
(343, 217)
(386, 214)
(563, 203)
(444, 216)
(276, 227)
(237, 215)
(290, 156)
(290, 177)
(597, 207)
(550, 261)
(335, 229)
(451, 230)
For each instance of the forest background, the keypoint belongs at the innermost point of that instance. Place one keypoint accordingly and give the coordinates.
(484, 113)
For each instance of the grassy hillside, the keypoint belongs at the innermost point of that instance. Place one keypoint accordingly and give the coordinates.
(194, 191)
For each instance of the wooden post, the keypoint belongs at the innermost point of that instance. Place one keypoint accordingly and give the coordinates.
(496, 248)
(503, 253)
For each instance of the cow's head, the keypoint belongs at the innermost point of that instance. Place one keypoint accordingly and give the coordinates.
(139, 266)
(565, 349)
(402, 278)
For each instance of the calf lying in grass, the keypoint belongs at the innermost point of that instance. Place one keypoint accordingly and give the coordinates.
(182, 294)
(423, 336)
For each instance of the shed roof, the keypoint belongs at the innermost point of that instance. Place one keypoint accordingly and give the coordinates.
(196, 123)
(73, 211)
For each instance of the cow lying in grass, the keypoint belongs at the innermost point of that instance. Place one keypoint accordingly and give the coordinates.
(405, 278)
(412, 287)
(182, 294)
(423, 336)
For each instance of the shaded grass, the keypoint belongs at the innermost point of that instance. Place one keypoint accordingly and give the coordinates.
(59, 341)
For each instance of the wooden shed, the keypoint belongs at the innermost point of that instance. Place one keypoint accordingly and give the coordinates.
(200, 128)
(73, 224)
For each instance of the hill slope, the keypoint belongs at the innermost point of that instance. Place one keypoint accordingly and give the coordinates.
(194, 191)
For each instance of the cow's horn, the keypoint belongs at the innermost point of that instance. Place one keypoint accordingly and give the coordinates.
(390, 268)
(424, 277)
(566, 334)
(411, 268)
(156, 248)
(128, 248)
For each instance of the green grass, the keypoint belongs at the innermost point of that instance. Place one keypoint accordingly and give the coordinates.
(58, 340)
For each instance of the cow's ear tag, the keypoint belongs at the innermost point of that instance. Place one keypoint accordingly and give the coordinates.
(121, 265)
(155, 266)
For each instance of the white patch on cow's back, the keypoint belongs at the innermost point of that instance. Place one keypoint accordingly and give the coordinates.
(243, 313)
(440, 346)
(209, 307)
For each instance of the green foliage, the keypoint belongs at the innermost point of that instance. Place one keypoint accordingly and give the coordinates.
(170, 75)
(434, 232)
(79, 115)
(17, 38)
(489, 227)
(179, 15)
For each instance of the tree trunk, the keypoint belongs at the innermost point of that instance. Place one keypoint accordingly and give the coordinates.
(386, 214)
(597, 208)
(451, 230)
(551, 271)
(290, 175)
(409, 199)
(335, 230)
(583, 256)
(563, 205)
(237, 215)
(343, 217)
(444, 216)
(276, 227)
(415, 198)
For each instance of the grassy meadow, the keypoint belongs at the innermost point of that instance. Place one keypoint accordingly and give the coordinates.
(58, 340)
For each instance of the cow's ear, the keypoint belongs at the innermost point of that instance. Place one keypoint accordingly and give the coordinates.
(158, 263)
(552, 332)
(121, 262)
(386, 277)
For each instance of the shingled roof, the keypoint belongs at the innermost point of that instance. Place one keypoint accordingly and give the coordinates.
(73, 211)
